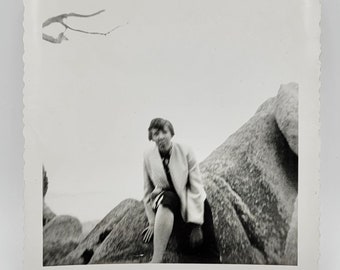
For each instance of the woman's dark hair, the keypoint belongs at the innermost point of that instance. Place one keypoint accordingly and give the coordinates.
(160, 124)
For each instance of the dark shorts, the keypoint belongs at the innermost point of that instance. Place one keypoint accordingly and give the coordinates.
(207, 252)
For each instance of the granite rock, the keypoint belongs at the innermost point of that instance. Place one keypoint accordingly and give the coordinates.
(61, 235)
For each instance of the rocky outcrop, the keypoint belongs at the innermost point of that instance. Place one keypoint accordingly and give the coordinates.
(61, 235)
(255, 173)
(104, 229)
(286, 113)
(251, 182)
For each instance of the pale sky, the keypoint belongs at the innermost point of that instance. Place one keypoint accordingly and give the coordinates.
(204, 65)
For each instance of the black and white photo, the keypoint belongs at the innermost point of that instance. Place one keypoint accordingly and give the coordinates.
(182, 132)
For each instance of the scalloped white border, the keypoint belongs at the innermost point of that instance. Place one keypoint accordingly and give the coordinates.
(309, 161)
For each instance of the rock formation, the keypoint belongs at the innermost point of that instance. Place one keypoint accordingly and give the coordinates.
(252, 180)
(117, 224)
(61, 234)
(252, 185)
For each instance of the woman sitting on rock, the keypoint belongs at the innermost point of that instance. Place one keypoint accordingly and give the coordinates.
(175, 200)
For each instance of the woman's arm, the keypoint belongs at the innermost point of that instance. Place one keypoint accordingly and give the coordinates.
(195, 192)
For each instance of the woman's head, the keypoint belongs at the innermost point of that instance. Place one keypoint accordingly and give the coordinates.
(161, 132)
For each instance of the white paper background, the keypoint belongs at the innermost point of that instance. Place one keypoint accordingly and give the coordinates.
(12, 142)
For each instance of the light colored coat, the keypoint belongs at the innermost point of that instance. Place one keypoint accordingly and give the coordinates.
(186, 178)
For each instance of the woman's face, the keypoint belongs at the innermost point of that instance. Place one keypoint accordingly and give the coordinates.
(162, 138)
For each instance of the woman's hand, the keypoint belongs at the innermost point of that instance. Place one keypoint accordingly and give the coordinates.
(147, 234)
(196, 236)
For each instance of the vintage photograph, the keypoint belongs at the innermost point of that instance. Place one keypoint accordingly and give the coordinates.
(171, 132)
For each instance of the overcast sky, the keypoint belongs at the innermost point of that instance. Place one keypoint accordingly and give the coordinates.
(204, 65)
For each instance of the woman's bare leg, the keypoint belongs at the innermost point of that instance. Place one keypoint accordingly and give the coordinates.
(164, 222)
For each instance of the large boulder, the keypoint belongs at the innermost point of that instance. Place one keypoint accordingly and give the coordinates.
(61, 235)
(128, 246)
(104, 229)
(257, 165)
